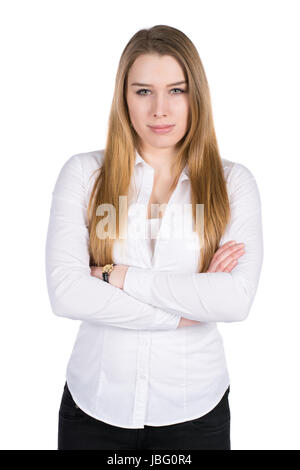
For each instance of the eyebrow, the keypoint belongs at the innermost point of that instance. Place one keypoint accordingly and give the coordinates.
(146, 84)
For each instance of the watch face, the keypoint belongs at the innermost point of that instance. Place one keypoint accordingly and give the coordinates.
(107, 268)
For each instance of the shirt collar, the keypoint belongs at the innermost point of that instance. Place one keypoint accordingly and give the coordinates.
(184, 175)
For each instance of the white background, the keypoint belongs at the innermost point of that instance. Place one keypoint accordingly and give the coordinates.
(58, 61)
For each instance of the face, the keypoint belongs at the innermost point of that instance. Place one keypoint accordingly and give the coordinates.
(155, 97)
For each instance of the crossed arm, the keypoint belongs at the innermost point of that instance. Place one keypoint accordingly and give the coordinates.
(73, 292)
(148, 299)
(117, 278)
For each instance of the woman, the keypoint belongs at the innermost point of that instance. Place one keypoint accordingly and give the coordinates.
(151, 242)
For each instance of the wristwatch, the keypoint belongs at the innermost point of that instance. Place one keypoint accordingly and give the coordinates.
(106, 270)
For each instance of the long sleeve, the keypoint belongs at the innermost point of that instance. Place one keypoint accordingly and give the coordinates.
(220, 296)
(72, 291)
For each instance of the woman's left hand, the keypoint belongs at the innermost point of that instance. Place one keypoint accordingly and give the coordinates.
(116, 277)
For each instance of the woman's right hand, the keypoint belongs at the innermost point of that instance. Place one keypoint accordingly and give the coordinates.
(224, 260)
(226, 257)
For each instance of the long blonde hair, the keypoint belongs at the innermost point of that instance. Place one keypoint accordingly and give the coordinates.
(198, 148)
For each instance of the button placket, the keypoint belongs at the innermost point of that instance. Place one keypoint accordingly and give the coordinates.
(141, 390)
(144, 196)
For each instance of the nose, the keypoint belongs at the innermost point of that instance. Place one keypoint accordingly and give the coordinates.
(160, 106)
(159, 114)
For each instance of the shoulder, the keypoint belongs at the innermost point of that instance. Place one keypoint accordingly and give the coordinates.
(86, 161)
(236, 173)
(78, 173)
(85, 164)
(241, 182)
(89, 161)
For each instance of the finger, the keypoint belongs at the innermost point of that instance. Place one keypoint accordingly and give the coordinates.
(223, 265)
(224, 261)
(222, 252)
(229, 244)
(221, 259)
(231, 265)
(229, 248)
(221, 255)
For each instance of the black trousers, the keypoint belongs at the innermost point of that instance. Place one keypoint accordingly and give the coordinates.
(79, 431)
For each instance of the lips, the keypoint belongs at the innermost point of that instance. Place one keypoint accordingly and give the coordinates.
(162, 126)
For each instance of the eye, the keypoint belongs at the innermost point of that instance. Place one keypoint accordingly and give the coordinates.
(180, 89)
(139, 92)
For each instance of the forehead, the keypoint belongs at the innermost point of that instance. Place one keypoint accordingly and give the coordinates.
(154, 68)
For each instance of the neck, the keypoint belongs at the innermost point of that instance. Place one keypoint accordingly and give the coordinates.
(163, 163)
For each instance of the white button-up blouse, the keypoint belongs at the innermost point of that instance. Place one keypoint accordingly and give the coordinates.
(130, 365)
